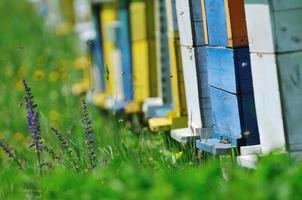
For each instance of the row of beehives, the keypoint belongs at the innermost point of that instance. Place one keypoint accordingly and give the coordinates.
(223, 73)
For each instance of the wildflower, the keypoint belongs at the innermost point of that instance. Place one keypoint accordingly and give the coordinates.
(18, 85)
(178, 154)
(18, 136)
(63, 141)
(51, 152)
(39, 74)
(11, 154)
(54, 117)
(65, 146)
(54, 76)
(33, 122)
(88, 133)
(63, 29)
(64, 76)
(81, 62)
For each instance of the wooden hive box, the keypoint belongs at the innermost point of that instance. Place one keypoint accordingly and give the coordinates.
(193, 41)
(226, 23)
(144, 74)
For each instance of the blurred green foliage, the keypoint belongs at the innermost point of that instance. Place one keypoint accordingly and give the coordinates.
(130, 166)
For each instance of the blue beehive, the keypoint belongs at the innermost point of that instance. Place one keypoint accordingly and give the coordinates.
(194, 53)
(97, 51)
(120, 36)
(229, 78)
(124, 45)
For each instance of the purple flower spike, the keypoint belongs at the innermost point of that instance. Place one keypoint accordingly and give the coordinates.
(33, 118)
(88, 133)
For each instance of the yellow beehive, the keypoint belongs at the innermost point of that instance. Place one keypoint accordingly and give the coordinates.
(178, 117)
(143, 53)
(108, 15)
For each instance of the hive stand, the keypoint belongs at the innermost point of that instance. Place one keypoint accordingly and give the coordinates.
(165, 102)
(276, 64)
(193, 48)
(229, 78)
(143, 54)
(176, 118)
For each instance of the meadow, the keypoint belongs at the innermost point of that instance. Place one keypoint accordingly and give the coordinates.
(79, 153)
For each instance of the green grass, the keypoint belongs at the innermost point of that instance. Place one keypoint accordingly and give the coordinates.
(129, 166)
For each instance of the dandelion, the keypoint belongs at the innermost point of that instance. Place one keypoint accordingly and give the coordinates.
(19, 86)
(64, 76)
(54, 76)
(11, 154)
(54, 117)
(81, 63)
(19, 137)
(39, 74)
(178, 154)
(88, 133)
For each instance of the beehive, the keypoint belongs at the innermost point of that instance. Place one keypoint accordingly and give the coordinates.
(193, 43)
(176, 118)
(229, 78)
(144, 75)
(275, 67)
(158, 107)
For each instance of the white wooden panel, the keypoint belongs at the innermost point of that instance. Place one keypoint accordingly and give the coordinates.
(191, 87)
(267, 100)
(118, 79)
(184, 22)
(96, 79)
(171, 17)
(259, 28)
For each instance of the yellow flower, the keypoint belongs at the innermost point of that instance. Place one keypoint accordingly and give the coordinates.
(63, 64)
(54, 76)
(64, 76)
(19, 85)
(63, 29)
(22, 71)
(81, 62)
(54, 117)
(1, 136)
(18, 136)
(39, 74)
(178, 154)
